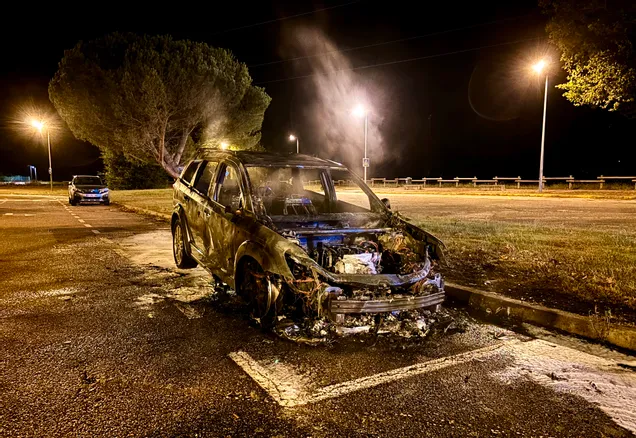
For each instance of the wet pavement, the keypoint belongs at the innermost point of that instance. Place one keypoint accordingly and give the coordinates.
(101, 336)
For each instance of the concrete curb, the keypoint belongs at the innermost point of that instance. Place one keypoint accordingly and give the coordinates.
(591, 327)
(144, 211)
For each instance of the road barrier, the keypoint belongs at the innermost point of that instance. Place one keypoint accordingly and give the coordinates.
(497, 182)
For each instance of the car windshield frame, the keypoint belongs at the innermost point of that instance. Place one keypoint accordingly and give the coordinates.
(82, 181)
(375, 205)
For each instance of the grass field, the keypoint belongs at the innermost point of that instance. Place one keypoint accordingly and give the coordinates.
(157, 200)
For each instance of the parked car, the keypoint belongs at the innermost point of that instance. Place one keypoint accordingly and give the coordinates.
(303, 230)
(87, 188)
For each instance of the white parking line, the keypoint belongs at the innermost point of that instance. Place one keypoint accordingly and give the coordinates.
(81, 220)
(8, 214)
(288, 394)
(95, 231)
(88, 225)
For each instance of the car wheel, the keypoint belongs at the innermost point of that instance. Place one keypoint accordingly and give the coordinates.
(255, 286)
(107, 202)
(182, 259)
(72, 201)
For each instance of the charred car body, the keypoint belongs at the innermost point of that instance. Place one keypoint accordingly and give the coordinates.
(301, 230)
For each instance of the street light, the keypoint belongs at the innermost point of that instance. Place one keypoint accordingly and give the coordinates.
(539, 68)
(360, 111)
(292, 137)
(40, 125)
(224, 145)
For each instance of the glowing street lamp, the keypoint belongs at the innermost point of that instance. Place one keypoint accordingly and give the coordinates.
(40, 125)
(361, 111)
(539, 68)
(292, 137)
(224, 145)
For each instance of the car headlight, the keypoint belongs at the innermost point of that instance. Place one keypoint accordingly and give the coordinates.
(103, 190)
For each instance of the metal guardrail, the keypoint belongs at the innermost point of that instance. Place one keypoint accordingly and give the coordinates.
(409, 182)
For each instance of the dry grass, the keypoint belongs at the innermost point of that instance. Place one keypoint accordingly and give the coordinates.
(622, 192)
(157, 200)
(576, 269)
(58, 190)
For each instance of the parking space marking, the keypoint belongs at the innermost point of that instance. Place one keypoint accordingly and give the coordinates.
(75, 216)
(8, 214)
(287, 394)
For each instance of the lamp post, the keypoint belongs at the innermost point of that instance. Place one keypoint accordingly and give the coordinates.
(360, 111)
(292, 137)
(539, 67)
(39, 125)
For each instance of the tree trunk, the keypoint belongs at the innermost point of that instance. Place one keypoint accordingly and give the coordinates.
(181, 148)
(171, 170)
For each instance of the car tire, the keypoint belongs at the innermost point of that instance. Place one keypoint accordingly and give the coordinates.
(107, 202)
(182, 258)
(72, 201)
(254, 286)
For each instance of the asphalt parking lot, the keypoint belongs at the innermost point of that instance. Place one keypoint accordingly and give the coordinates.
(102, 336)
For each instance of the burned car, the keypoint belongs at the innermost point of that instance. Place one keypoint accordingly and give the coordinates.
(301, 231)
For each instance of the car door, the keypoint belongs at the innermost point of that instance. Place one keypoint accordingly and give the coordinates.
(185, 199)
(199, 222)
(226, 226)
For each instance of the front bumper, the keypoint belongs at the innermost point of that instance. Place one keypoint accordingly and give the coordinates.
(385, 305)
(91, 197)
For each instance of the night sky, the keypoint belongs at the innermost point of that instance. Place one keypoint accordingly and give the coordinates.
(452, 111)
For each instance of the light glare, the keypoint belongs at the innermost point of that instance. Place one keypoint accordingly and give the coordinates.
(224, 145)
(37, 125)
(292, 137)
(359, 111)
(539, 66)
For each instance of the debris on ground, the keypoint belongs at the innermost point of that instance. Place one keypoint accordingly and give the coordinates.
(406, 324)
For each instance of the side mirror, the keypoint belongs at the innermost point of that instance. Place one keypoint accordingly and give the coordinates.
(386, 203)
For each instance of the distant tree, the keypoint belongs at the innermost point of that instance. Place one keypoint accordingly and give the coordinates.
(596, 40)
(144, 96)
(124, 174)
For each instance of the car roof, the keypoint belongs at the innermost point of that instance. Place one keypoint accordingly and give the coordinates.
(86, 176)
(254, 158)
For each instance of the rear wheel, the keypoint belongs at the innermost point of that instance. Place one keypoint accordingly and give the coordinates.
(264, 294)
(182, 259)
(72, 201)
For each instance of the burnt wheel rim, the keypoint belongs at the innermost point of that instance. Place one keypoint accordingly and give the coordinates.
(177, 244)
(256, 286)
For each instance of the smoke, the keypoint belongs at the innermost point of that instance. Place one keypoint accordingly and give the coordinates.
(331, 94)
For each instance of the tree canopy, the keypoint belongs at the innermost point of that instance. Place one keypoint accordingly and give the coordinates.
(147, 96)
(596, 39)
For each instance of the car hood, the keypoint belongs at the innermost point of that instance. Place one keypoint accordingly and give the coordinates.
(89, 187)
